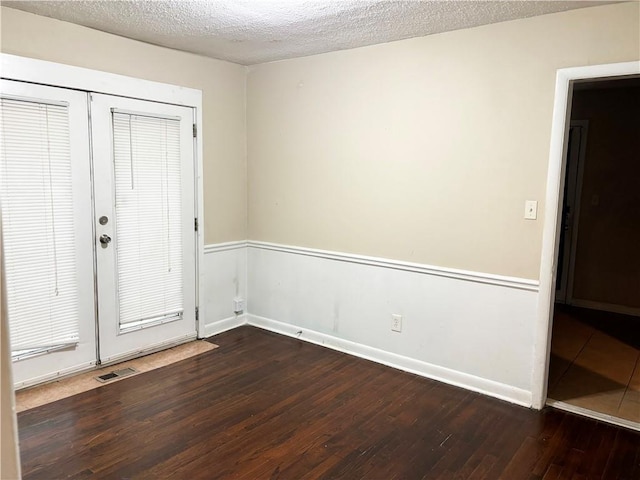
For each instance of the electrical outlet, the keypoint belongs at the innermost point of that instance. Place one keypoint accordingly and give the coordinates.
(238, 305)
(396, 323)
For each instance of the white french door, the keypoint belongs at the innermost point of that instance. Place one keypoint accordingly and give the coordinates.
(144, 216)
(98, 209)
(45, 192)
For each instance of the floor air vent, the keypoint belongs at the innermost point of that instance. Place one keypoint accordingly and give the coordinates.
(107, 377)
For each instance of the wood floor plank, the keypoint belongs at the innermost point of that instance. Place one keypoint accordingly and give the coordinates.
(263, 406)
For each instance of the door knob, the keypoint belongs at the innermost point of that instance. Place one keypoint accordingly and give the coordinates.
(105, 240)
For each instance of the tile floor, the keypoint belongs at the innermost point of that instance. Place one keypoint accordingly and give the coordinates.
(595, 362)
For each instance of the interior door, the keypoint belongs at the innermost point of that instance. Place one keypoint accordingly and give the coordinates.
(45, 193)
(143, 157)
(570, 210)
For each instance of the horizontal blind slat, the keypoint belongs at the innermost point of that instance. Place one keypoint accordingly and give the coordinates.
(38, 224)
(148, 205)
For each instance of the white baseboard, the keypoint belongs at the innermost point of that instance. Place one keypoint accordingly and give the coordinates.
(603, 417)
(606, 307)
(424, 369)
(224, 325)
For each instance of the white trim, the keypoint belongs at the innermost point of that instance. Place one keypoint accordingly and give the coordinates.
(567, 407)
(225, 324)
(560, 123)
(417, 367)
(477, 277)
(606, 307)
(78, 78)
(222, 247)
(199, 189)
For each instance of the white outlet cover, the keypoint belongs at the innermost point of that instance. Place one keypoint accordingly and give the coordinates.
(238, 304)
(396, 323)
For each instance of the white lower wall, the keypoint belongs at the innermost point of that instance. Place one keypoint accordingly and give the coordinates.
(464, 328)
(225, 266)
(468, 329)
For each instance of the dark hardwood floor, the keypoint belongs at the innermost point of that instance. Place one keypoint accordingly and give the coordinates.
(263, 406)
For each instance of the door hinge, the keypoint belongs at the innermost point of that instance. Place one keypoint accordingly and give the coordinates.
(195, 130)
(195, 223)
(197, 313)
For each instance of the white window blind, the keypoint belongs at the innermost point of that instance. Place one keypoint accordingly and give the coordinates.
(148, 218)
(38, 226)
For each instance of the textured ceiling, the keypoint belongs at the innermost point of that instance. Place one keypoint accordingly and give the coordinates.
(257, 31)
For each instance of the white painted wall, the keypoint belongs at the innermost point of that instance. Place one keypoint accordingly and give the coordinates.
(225, 278)
(463, 328)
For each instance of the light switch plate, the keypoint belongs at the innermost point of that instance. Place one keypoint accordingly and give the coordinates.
(531, 209)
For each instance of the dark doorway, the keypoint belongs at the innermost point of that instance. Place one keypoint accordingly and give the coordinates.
(595, 345)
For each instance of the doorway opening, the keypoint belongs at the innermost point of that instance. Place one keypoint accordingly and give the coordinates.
(594, 365)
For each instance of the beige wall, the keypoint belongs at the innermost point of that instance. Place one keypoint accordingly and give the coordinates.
(607, 255)
(422, 150)
(222, 85)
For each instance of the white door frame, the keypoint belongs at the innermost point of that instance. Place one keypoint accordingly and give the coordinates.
(13, 67)
(553, 205)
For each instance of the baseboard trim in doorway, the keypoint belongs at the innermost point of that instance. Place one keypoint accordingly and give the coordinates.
(66, 387)
(603, 417)
(606, 307)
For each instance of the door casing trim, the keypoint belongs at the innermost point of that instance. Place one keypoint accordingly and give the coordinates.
(565, 79)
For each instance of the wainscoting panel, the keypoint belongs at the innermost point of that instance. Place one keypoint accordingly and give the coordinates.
(463, 328)
(225, 279)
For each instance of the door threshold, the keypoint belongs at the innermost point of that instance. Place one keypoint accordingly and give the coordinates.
(77, 384)
(93, 366)
(56, 376)
(585, 412)
(174, 342)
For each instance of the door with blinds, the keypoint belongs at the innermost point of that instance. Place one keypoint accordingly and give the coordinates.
(98, 205)
(144, 215)
(45, 197)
